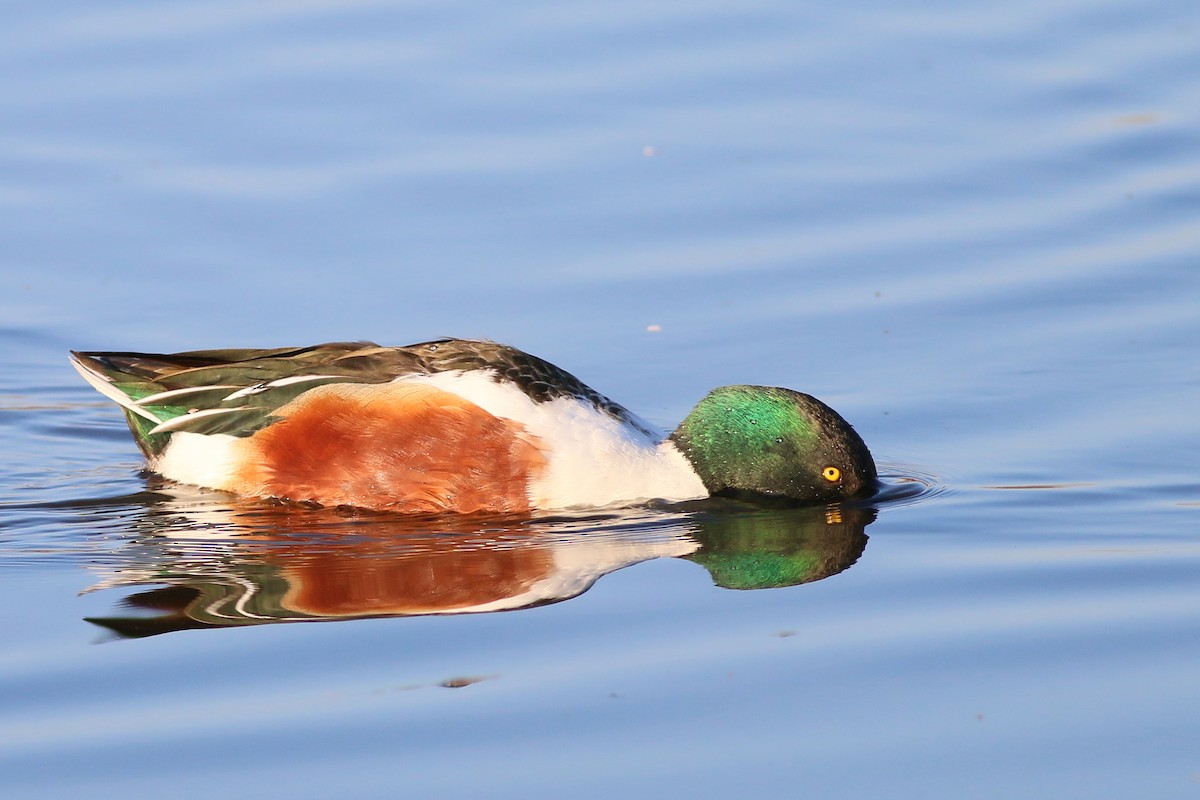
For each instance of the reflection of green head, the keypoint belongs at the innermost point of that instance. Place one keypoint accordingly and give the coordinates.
(769, 549)
(759, 570)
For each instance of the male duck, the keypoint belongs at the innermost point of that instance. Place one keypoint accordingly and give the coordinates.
(462, 426)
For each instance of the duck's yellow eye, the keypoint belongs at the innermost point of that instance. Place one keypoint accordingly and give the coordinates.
(831, 474)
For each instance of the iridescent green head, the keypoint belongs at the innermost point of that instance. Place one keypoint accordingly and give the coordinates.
(762, 441)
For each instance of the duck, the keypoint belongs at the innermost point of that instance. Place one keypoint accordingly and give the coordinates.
(461, 426)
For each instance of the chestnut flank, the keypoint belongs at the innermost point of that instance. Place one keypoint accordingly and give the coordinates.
(402, 447)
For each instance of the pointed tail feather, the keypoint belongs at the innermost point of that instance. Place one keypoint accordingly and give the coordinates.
(94, 372)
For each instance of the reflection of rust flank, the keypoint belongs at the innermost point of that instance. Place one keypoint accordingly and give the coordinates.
(398, 447)
(337, 585)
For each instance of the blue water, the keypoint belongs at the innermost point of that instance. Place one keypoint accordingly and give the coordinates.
(972, 229)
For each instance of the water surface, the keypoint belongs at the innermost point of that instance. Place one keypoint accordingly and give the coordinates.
(971, 229)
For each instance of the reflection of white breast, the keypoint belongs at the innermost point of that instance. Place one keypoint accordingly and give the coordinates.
(580, 562)
(594, 459)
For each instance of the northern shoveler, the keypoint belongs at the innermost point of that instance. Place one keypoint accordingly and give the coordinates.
(461, 426)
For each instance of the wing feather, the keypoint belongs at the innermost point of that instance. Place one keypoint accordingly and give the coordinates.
(236, 391)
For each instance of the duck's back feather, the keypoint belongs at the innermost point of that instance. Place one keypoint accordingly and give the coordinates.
(442, 425)
(237, 391)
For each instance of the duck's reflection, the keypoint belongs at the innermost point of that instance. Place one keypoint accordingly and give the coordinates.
(216, 566)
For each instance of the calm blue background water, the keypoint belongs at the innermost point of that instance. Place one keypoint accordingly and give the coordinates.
(973, 229)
